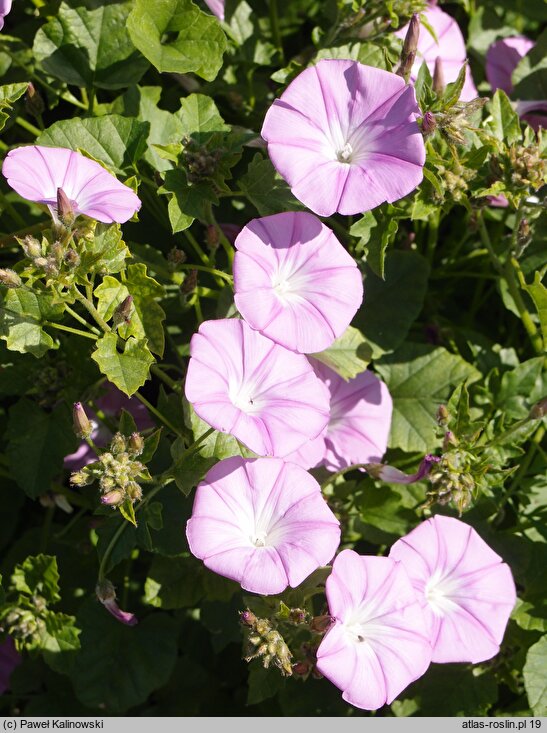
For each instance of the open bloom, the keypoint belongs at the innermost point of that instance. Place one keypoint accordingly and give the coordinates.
(263, 523)
(345, 137)
(466, 590)
(449, 47)
(502, 59)
(359, 423)
(37, 173)
(242, 383)
(294, 282)
(379, 643)
(5, 7)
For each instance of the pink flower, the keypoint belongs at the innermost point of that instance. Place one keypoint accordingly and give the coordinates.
(216, 7)
(294, 282)
(9, 660)
(106, 594)
(263, 523)
(449, 48)
(5, 7)
(359, 424)
(466, 591)
(242, 383)
(345, 137)
(379, 643)
(502, 59)
(37, 172)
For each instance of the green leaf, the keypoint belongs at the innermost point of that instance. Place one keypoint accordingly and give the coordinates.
(453, 90)
(535, 681)
(118, 666)
(128, 370)
(38, 441)
(104, 252)
(90, 48)
(199, 117)
(186, 202)
(530, 75)
(165, 127)
(504, 123)
(174, 582)
(349, 355)
(538, 292)
(265, 189)
(147, 316)
(170, 540)
(263, 683)
(127, 510)
(419, 378)
(197, 47)
(217, 445)
(9, 94)
(190, 471)
(59, 641)
(521, 387)
(392, 305)
(39, 576)
(117, 142)
(22, 315)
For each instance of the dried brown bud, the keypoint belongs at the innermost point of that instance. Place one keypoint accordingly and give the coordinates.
(320, 624)
(123, 312)
(190, 282)
(34, 104)
(213, 238)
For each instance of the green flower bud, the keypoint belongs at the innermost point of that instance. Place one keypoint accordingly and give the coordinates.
(80, 422)
(117, 444)
(31, 247)
(135, 445)
(10, 279)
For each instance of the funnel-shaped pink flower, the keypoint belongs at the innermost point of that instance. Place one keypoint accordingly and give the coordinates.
(379, 643)
(37, 172)
(263, 523)
(345, 138)
(502, 59)
(5, 7)
(466, 590)
(216, 7)
(294, 282)
(449, 47)
(242, 383)
(359, 424)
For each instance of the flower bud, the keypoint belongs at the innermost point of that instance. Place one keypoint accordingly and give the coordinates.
(34, 104)
(539, 410)
(134, 491)
(175, 258)
(247, 618)
(429, 123)
(65, 212)
(190, 282)
(297, 616)
(106, 594)
(117, 444)
(80, 422)
(71, 257)
(443, 415)
(81, 478)
(410, 44)
(406, 65)
(301, 669)
(212, 237)
(123, 312)
(135, 445)
(113, 498)
(10, 279)
(439, 83)
(31, 247)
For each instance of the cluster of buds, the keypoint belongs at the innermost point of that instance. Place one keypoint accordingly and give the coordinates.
(265, 642)
(52, 258)
(199, 162)
(24, 622)
(117, 471)
(527, 165)
(458, 120)
(452, 480)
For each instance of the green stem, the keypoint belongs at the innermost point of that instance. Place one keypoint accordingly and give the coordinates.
(91, 101)
(332, 479)
(158, 371)
(276, 33)
(197, 249)
(88, 305)
(69, 329)
(210, 270)
(75, 519)
(28, 126)
(81, 320)
(149, 406)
